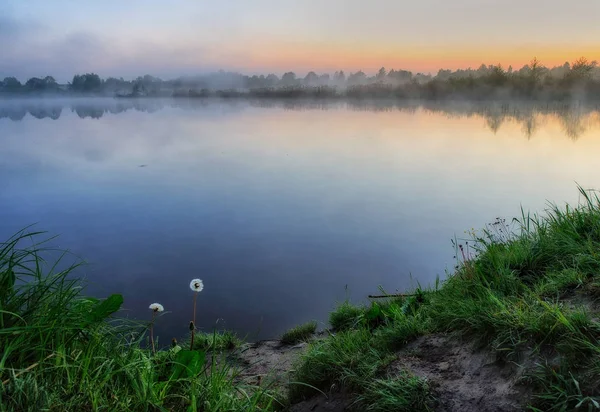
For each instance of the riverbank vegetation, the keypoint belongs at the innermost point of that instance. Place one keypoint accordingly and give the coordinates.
(578, 80)
(527, 291)
(60, 350)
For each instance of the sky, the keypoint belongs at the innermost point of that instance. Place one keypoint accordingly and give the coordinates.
(183, 37)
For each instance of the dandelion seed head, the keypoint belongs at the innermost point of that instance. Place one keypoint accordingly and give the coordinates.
(196, 285)
(157, 307)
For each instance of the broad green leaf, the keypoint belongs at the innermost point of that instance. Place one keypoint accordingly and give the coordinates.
(106, 308)
(188, 363)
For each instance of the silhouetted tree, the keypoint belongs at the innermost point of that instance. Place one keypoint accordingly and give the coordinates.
(288, 79)
(271, 80)
(324, 79)
(400, 76)
(339, 78)
(311, 79)
(497, 76)
(46, 84)
(582, 68)
(357, 78)
(89, 82)
(10, 84)
(139, 89)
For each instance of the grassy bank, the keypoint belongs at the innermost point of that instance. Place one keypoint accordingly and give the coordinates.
(62, 351)
(528, 291)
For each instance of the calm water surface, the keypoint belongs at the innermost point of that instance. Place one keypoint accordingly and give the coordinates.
(282, 209)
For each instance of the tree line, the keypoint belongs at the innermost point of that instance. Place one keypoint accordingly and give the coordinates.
(580, 78)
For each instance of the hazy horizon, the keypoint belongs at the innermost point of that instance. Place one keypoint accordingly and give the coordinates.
(182, 38)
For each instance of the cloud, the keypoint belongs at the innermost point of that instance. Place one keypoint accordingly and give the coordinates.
(81, 51)
(128, 39)
(30, 48)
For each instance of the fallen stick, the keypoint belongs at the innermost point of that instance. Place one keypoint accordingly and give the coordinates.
(393, 295)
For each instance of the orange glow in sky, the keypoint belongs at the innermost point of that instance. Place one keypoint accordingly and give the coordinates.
(273, 36)
(322, 56)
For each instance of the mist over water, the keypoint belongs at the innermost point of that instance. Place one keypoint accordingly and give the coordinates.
(282, 208)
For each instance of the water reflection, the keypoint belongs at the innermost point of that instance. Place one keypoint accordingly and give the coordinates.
(277, 205)
(576, 119)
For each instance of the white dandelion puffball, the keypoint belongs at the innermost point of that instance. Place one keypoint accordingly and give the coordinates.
(157, 307)
(196, 285)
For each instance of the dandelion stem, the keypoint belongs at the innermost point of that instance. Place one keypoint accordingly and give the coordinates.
(152, 333)
(194, 317)
(194, 322)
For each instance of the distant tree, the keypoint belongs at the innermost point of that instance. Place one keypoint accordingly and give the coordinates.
(400, 76)
(10, 84)
(89, 82)
(139, 89)
(536, 70)
(482, 70)
(288, 79)
(35, 84)
(381, 74)
(339, 77)
(497, 76)
(251, 82)
(357, 78)
(582, 68)
(113, 84)
(324, 79)
(311, 79)
(271, 80)
(441, 75)
(147, 79)
(422, 77)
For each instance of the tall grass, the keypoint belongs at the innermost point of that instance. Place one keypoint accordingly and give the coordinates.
(60, 350)
(527, 286)
(299, 333)
(530, 286)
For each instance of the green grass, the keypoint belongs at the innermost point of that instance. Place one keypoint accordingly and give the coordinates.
(346, 359)
(527, 285)
(60, 350)
(359, 352)
(346, 316)
(531, 286)
(299, 333)
(216, 341)
(402, 392)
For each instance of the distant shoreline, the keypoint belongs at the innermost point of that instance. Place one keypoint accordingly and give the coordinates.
(579, 80)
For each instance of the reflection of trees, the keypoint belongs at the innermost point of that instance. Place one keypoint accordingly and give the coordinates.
(494, 121)
(92, 111)
(16, 110)
(42, 112)
(383, 105)
(14, 113)
(574, 123)
(574, 119)
(530, 126)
